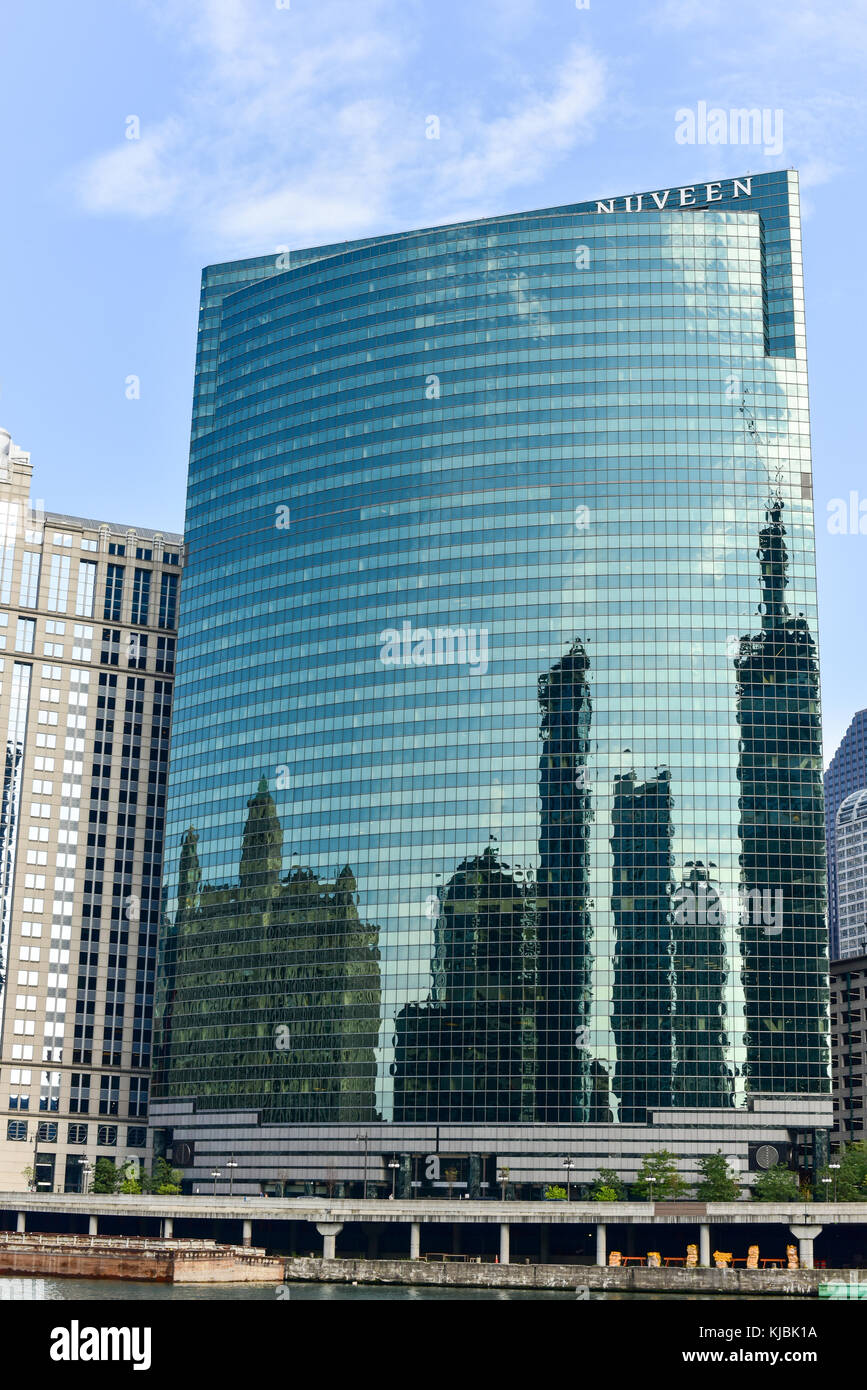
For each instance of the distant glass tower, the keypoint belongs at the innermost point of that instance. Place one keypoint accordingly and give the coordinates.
(495, 805)
(851, 875)
(847, 773)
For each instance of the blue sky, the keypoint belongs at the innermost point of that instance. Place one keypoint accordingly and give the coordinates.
(263, 123)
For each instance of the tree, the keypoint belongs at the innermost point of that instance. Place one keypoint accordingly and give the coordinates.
(658, 1177)
(851, 1184)
(554, 1193)
(607, 1187)
(106, 1177)
(777, 1184)
(163, 1179)
(718, 1181)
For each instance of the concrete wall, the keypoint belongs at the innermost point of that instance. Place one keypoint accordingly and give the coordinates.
(739, 1282)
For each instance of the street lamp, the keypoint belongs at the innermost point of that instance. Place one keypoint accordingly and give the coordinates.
(503, 1175)
(215, 1173)
(651, 1180)
(231, 1165)
(835, 1168)
(86, 1167)
(568, 1164)
(393, 1164)
(364, 1139)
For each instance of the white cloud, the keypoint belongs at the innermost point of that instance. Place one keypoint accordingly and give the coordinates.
(304, 125)
(135, 178)
(511, 149)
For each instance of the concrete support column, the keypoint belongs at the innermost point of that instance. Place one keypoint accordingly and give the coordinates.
(601, 1244)
(93, 1225)
(415, 1240)
(805, 1235)
(704, 1246)
(329, 1231)
(168, 1227)
(247, 1237)
(21, 1223)
(504, 1242)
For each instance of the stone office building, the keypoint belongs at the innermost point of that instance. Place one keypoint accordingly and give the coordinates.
(88, 614)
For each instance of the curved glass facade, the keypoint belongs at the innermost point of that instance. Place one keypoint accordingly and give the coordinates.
(495, 792)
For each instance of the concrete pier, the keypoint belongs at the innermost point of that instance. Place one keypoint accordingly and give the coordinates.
(537, 1233)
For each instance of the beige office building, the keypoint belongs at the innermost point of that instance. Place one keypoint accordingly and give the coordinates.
(88, 614)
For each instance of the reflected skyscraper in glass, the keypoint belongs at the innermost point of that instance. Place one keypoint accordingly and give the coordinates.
(495, 803)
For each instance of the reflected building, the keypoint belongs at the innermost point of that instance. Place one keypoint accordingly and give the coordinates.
(306, 967)
(568, 1086)
(701, 1074)
(470, 1052)
(781, 827)
(642, 1005)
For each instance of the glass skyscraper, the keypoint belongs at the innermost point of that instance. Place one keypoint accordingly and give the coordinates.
(495, 803)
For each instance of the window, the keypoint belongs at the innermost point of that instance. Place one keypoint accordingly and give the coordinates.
(87, 544)
(29, 590)
(171, 558)
(138, 1096)
(7, 552)
(58, 583)
(110, 653)
(79, 1093)
(142, 554)
(46, 1132)
(106, 1136)
(165, 658)
(137, 1137)
(16, 1130)
(138, 649)
(115, 548)
(84, 636)
(168, 600)
(109, 1095)
(86, 588)
(141, 592)
(49, 1090)
(25, 634)
(113, 593)
(19, 1084)
(76, 1134)
(61, 538)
